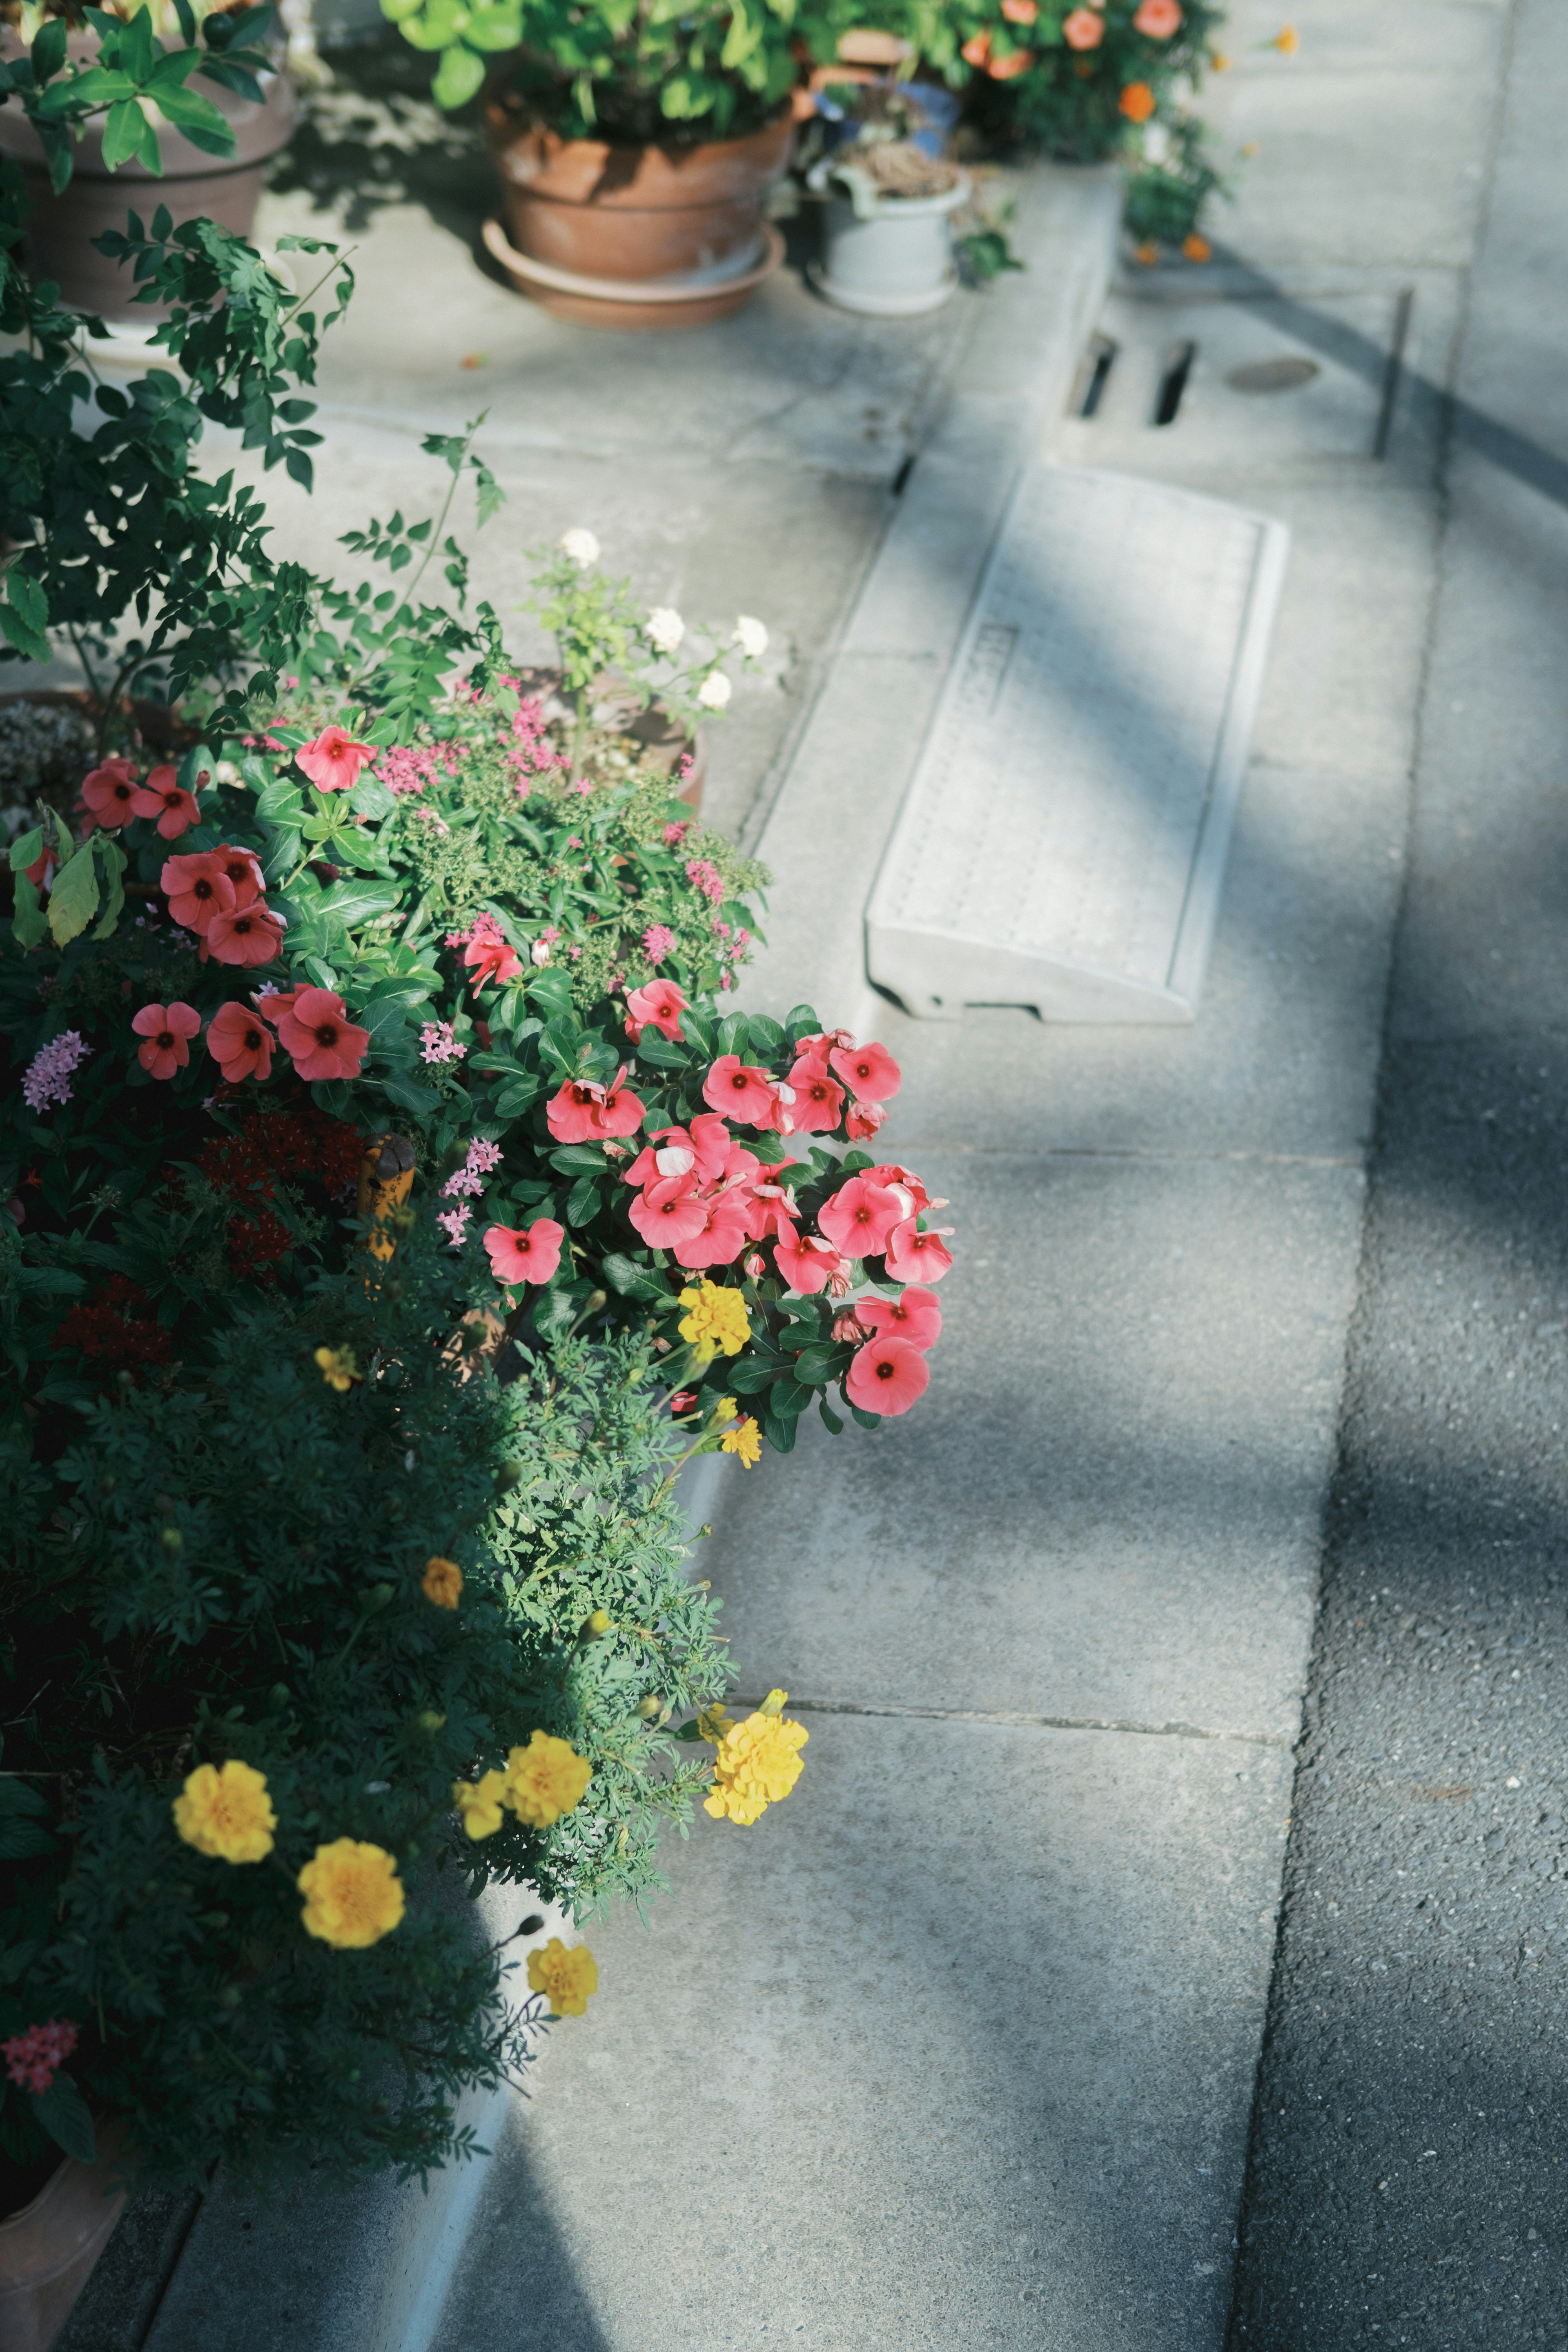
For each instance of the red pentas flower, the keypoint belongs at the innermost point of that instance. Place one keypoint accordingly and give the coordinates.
(333, 761)
(110, 793)
(525, 1254)
(240, 1043)
(32, 2059)
(886, 1375)
(318, 1036)
(165, 1031)
(160, 796)
(115, 1328)
(197, 887)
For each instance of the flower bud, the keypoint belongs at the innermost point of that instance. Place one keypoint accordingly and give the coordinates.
(648, 1707)
(599, 1622)
(172, 1540)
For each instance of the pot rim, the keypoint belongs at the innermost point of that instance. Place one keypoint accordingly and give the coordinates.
(892, 207)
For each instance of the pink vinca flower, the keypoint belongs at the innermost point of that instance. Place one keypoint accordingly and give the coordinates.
(525, 1254)
(333, 761)
(489, 955)
(658, 1006)
(165, 1031)
(161, 797)
(110, 793)
(668, 1213)
(863, 1119)
(742, 1091)
(583, 1112)
(916, 1317)
(240, 1043)
(318, 1036)
(819, 1103)
(807, 1261)
(868, 1071)
(861, 1215)
(914, 1256)
(723, 1235)
(886, 1376)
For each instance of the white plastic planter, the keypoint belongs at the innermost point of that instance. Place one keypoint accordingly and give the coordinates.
(896, 264)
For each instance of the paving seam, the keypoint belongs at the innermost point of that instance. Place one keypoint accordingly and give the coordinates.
(1010, 1719)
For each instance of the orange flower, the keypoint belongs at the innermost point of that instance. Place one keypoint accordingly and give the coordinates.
(1084, 29)
(976, 50)
(1157, 19)
(1020, 12)
(1218, 61)
(1196, 248)
(1137, 100)
(1148, 253)
(442, 1582)
(1008, 68)
(1286, 41)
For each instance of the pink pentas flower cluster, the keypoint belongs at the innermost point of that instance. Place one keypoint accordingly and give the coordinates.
(705, 875)
(483, 1157)
(48, 1075)
(33, 2059)
(453, 1223)
(409, 769)
(437, 1043)
(657, 941)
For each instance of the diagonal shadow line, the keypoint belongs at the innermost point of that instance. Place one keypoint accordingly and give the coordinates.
(1468, 427)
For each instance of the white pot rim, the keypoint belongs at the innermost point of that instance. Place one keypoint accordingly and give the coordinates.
(917, 207)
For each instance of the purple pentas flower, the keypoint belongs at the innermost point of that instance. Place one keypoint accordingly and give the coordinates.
(49, 1074)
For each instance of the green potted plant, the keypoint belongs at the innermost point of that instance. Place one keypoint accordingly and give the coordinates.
(635, 147)
(97, 100)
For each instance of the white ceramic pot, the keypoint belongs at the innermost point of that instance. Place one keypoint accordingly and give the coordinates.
(899, 262)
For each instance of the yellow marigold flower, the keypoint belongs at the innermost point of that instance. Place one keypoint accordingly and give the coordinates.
(480, 1802)
(1286, 40)
(568, 1976)
(338, 1369)
(225, 1812)
(352, 1893)
(442, 1582)
(716, 1318)
(726, 1409)
(546, 1780)
(757, 1764)
(713, 1722)
(1218, 61)
(746, 1441)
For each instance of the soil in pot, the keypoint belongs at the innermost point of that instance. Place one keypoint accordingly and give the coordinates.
(194, 186)
(631, 215)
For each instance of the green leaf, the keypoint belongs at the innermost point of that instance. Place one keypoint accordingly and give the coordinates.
(73, 902)
(113, 861)
(28, 846)
(660, 1053)
(789, 1397)
(579, 1160)
(280, 801)
(122, 133)
(513, 1100)
(830, 1420)
(583, 1201)
(29, 924)
(558, 1305)
(780, 1434)
(688, 1731)
(633, 1281)
(49, 51)
(552, 989)
(749, 1375)
(24, 616)
(816, 1366)
(20, 1841)
(405, 1088)
(353, 902)
(67, 2117)
(462, 73)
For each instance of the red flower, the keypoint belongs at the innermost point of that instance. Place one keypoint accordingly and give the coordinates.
(583, 1112)
(668, 1213)
(318, 1035)
(1158, 19)
(164, 1030)
(333, 761)
(160, 796)
(860, 1216)
(721, 1235)
(886, 1376)
(658, 1006)
(274, 1003)
(916, 1317)
(244, 873)
(116, 1328)
(531, 1254)
(807, 1263)
(239, 1043)
(110, 793)
(32, 2058)
(862, 1120)
(868, 1071)
(1084, 29)
(489, 955)
(819, 1103)
(742, 1091)
(248, 935)
(914, 1256)
(905, 1179)
(197, 888)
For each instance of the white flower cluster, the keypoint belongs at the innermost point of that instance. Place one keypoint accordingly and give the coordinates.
(579, 547)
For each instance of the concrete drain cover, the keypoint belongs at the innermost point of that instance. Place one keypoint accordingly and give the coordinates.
(1063, 840)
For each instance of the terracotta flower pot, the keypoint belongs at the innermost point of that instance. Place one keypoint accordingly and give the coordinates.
(194, 186)
(684, 222)
(47, 2250)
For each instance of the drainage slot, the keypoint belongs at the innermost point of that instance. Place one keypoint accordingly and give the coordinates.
(1273, 375)
(1173, 382)
(1093, 376)
(1394, 370)
(902, 476)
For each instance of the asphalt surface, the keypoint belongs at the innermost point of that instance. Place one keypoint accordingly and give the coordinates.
(1407, 2178)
